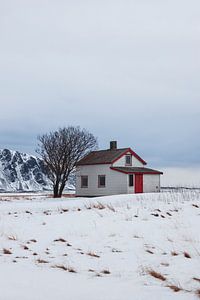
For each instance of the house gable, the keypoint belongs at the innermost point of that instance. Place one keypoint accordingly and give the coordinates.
(136, 160)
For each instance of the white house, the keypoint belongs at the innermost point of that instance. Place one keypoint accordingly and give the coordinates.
(115, 171)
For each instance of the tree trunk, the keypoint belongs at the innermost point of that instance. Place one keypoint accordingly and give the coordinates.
(61, 189)
(55, 191)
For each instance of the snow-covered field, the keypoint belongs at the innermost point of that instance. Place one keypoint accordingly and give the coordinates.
(111, 248)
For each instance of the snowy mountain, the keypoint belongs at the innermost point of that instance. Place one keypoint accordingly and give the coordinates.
(22, 172)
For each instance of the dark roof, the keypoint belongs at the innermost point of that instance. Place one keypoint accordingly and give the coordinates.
(129, 170)
(102, 157)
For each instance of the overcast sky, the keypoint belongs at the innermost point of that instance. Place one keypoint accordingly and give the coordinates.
(125, 70)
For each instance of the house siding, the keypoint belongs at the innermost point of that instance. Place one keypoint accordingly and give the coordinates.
(151, 183)
(116, 182)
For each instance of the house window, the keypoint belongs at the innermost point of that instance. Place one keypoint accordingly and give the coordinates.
(84, 181)
(102, 181)
(130, 180)
(128, 160)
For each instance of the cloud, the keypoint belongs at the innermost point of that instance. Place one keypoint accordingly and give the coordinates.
(126, 70)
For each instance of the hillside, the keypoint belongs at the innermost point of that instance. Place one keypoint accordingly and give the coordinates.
(110, 248)
(22, 172)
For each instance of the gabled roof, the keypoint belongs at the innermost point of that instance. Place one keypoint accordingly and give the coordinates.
(136, 170)
(107, 157)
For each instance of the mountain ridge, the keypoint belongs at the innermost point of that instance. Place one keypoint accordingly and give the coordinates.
(22, 172)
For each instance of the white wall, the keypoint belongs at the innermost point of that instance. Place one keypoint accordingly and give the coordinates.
(122, 162)
(116, 182)
(151, 183)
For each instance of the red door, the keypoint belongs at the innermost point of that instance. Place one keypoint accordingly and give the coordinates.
(138, 183)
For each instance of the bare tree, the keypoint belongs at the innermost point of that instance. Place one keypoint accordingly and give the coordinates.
(61, 150)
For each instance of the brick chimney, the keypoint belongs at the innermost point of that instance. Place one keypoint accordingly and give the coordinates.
(113, 145)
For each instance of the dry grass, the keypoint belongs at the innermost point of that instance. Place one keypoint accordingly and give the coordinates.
(114, 250)
(25, 247)
(106, 272)
(42, 261)
(149, 251)
(198, 293)
(60, 240)
(187, 255)
(98, 275)
(33, 241)
(136, 236)
(6, 251)
(174, 288)
(195, 205)
(47, 212)
(155, 215)
(65, 210)
(165, 264)
(92, 254)
(156, 275)
(12, 238)
(64, 268)
(109, 206)
(174, 253)
(169, 214)
(99, 206)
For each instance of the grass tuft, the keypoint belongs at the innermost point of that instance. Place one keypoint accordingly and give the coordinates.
(187, 255)
(12, 238)
(25, 247)
(174, 253)
(6, 251)
(99, 206)
(174, 288)
(33, 241)
(60, 240)
(106, 272)
(64, 268)
(42, 261)
(198, 293)
(92, 254)
(195, 205)
(157, 275)
(91, 270)
(149, 251)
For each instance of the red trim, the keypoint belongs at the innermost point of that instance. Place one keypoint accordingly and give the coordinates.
(125, 172)
(92, 164)
(133, 153)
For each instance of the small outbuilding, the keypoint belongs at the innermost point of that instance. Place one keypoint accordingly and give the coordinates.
(115, 171)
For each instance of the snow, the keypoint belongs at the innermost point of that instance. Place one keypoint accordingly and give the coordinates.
(127, 235)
